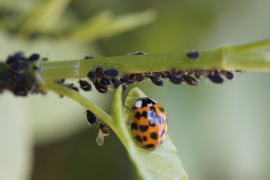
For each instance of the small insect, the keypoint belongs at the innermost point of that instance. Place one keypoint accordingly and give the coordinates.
(117, 83)
(190, 80)
(37, 68)
(85, 85)
(148, 123)
(198, 74)
(100, 88)
(215, 77)
(71, 86)
(127, 79)
(193, 54)
(91, 117)
(156, 80)
(99, 72)
(138, 53)
(105, 82)
(139, 77)
(175, 79)
(227, 74)
(88, 57)
(44, 59)
(91, 75)
(34, 57)
(103, 132)
(112, 73)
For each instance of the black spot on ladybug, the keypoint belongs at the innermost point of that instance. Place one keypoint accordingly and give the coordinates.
(152, 112)
(154, 136)
(160, 119)
(161, 110)
(152, 122)
(144, 114)
(144, 138)
(143, 128)
(193, 54)
(162, 133)
(138, 138)
(148, 146)
(138, 115)
(134, 126)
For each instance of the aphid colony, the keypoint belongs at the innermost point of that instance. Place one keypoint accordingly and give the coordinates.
(102, 78)
(16, 75)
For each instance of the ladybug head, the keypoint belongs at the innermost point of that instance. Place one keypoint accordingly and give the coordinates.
(145, 102)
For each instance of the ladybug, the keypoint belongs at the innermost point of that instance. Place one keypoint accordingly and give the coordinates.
(148, 123)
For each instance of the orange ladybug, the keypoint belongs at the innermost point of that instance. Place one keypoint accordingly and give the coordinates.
(148, 123)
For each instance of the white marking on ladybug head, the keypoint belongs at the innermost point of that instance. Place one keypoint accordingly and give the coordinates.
(150, 104)
(138, 104)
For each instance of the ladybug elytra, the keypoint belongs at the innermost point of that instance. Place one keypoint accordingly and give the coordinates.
(148, 123)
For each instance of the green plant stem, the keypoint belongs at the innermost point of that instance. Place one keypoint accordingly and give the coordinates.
(253, 46)
(225, 58)
(88, 104)
(80, 99)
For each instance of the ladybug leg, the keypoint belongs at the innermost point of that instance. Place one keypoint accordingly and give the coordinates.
(131, 109)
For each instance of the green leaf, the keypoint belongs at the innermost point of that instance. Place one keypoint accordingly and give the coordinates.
(163, 163)
(44, 16)
(104, 25)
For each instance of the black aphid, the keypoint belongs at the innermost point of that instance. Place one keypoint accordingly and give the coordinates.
(99, 72)
(193, 54)
(85, 85)
(112, 73)
(71, 86)
(37, 68)
(75, 89)
(174, 79)
(190, 80)
(91, 117)
(127, 79)
(215, 77)
(138, 77)
(138, 53)
(88, 57)
(105, 82)
(34, 57)
(12, 59)
(156, 80)
(100, 88)
(227, 74)
(62, 81)
(91, 75)
(117, 83)
(199, 73)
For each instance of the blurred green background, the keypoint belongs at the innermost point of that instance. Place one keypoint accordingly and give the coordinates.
(221, 132)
